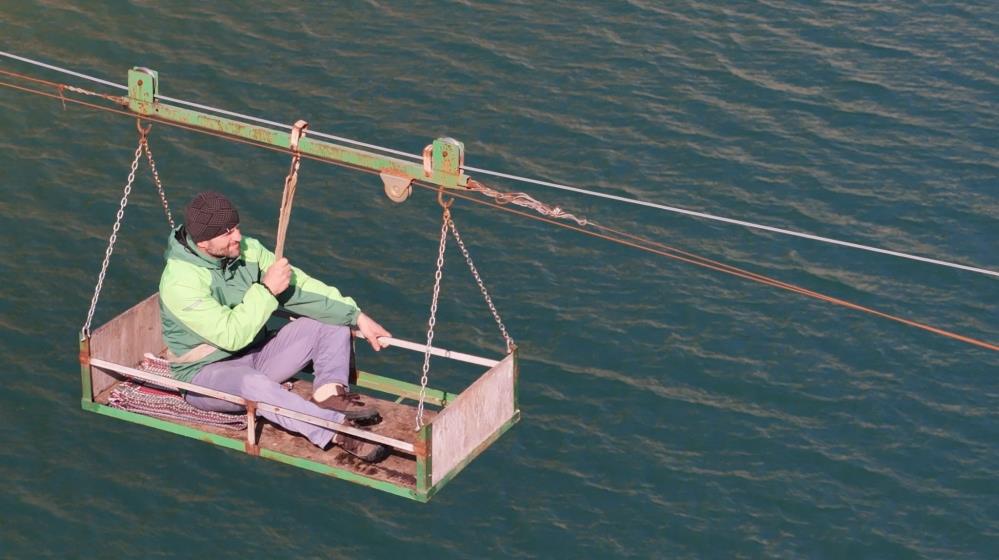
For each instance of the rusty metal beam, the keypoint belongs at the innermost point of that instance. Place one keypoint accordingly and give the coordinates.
(442, 159)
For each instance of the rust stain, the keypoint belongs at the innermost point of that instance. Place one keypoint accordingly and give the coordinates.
(85, 358)
(257, 133)
(420, 449)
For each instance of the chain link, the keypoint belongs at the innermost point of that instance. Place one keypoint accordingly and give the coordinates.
(446, 219)
(482, 287)
(85, 331)
(156, 179)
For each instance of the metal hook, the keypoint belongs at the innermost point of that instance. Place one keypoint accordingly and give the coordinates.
(440, 199)
(142, 131)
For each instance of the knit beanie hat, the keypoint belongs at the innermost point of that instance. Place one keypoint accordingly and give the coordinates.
(209, 215)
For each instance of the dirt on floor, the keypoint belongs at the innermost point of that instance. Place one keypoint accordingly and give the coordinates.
(398, 422)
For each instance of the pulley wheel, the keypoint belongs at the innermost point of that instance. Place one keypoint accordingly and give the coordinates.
(398, 186)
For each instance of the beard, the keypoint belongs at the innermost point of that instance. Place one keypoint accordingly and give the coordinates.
(228, 252)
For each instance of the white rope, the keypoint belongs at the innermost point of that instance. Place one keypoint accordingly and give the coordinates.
(538, 182)
(63, 70)
(214, 109)
(736, 222)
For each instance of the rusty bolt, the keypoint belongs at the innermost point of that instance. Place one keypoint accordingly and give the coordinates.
(139, 82)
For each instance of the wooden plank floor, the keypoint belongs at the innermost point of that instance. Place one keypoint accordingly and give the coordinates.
(398, 421)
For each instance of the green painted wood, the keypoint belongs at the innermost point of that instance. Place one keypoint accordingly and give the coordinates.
(402, 388)
(342, 474)
(238, 445)
(85, 373)
(166, 426)
(424, 461)
(142, 100)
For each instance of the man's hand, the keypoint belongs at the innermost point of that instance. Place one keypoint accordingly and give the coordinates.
(278, 276)
(371, 331)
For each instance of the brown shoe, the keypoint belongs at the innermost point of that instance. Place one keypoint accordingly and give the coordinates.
(364, 450)
(351, 405)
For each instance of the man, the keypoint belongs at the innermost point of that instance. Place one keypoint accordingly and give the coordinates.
(217, 291)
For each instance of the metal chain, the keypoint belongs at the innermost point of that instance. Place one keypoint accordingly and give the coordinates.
(482, 287)
(156, 179)
(446, 219)
(85, 331)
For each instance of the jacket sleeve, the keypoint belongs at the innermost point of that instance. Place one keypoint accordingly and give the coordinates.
(185, 290)
(306, 295)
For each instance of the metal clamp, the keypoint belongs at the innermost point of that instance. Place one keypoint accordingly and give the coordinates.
(297, 132)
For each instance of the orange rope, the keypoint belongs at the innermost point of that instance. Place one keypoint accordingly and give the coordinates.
(61, 88)
(613, 235)
(661, 249)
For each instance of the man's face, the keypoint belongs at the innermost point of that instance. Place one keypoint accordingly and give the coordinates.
(223, 246)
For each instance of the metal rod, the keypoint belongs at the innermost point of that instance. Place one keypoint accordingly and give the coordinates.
(461, 357)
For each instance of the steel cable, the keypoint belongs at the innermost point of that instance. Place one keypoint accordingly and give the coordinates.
(549, 184)
(637, 242)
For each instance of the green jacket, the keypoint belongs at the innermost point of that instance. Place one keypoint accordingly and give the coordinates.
(213, 308)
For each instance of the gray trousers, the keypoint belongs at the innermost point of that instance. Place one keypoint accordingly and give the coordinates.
(258, 374)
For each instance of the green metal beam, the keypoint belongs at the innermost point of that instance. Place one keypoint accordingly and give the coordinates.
(447, 154)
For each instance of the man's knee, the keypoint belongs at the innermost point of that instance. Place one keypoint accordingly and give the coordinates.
(257, 386)
(339, 333)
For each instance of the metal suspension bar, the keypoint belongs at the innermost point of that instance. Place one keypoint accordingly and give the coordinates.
(443, 160)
